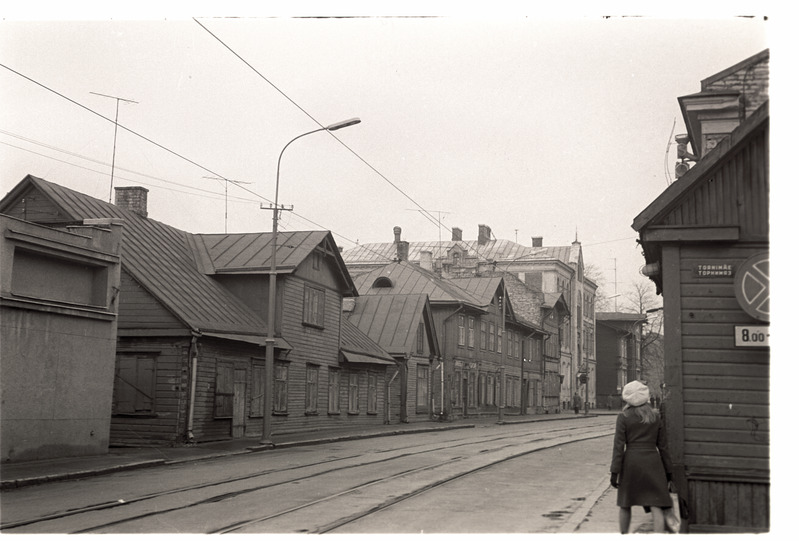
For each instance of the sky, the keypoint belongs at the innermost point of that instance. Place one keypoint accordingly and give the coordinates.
(558, 126)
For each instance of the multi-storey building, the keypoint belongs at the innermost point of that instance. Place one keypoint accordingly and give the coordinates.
(547, 270)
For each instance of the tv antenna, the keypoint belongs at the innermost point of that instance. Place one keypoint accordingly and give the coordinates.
(114, 154)
(440, 212)
(228, 181)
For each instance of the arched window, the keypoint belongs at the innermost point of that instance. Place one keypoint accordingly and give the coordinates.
(383, 282)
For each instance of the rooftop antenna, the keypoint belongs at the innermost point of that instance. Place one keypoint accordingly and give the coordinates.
(114, 154)
(439, 218)
(228, 181)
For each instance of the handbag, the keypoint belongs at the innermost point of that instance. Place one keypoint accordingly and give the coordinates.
(673, 515)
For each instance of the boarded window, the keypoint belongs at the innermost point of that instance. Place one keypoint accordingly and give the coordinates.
(314, 307)
(333, 390)
(134, 384)
(223, 396)
(311, 388)
(280, 402)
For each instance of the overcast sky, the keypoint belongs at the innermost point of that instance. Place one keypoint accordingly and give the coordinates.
(534, 126)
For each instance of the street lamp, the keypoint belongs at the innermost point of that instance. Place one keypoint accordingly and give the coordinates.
(266, 437)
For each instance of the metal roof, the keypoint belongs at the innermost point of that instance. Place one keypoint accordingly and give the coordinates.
(390, 320)
(408, 279)
(160, 258)
(356, 346)
(493, 250)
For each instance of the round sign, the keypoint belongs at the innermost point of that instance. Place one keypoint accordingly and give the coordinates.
(752, 286)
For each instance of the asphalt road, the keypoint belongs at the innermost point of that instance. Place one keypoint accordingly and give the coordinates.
(531, 478)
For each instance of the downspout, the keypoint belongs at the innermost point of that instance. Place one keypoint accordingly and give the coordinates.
(195, 334)
(387, 419)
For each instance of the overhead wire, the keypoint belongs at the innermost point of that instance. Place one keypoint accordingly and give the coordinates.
(145, 138)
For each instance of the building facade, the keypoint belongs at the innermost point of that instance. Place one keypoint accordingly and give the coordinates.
(706, 244)
(58, 328)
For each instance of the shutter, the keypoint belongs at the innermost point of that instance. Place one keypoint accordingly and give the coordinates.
(145, 375)
(124, 392)
(223, 400)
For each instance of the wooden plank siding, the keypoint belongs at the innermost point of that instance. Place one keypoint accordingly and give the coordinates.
(165, 424)
(140, 310)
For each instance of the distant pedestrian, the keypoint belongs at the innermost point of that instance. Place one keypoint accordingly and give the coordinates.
(577, 403)
(640, 466)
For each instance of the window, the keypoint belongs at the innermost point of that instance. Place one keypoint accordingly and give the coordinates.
(471, 332)
(490, 390)
(491, 336)
(499, 339)
(134, 384)
(420, 336)
(280, 402)
(333, 388)
(422, 387)
(314, 307)
(317, 260)
(483, 333)
(461, 331)
(371, 392)
(353, 405)
(472, 399)
(311, 389)
(223, 396)
(457, 391)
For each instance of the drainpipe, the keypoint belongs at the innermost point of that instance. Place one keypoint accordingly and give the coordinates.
(388, 397)
(195, 334)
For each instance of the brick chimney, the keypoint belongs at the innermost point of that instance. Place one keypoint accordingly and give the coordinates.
(483, 234)
(132, 198)
(397, 233)
(402, 250)
(538, 242)
(457, 234)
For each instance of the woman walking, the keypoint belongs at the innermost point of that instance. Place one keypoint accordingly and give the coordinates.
(641, 467)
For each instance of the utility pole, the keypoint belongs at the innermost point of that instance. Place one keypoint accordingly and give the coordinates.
(116, 125)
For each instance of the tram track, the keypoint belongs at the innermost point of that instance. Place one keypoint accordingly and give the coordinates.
(465, 456)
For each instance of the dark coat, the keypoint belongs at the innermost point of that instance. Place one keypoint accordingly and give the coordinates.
(641, 458)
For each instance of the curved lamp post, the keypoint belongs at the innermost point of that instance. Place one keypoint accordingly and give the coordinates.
(266, 437)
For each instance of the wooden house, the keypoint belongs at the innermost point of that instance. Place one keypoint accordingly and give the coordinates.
(555, 320)
(706, 244)
(403, 326)
(191, 332)
(480, 338)
(58, 327)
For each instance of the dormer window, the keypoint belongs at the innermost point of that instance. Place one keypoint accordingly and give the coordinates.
(383, 282)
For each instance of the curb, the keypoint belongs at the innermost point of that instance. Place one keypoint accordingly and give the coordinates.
(28, 481)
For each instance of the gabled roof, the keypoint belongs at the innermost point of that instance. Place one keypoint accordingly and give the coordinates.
(408, 279)
(620, 321)
(251, 253)
(392, 320)
(357, 347)
(554, 299)
(685, 185)
(157, 256)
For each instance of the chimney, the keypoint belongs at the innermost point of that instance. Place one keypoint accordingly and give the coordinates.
(426, 260)
(483, 234)
(132, 198)
(402, 250)
(538, 242)
(457, 234)
(397, 233)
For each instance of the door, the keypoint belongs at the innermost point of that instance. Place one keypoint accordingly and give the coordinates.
(239, 402)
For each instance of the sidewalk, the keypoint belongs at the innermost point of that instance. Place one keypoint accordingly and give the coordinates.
(597, 515)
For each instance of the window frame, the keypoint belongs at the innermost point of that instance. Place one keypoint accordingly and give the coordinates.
(311, 389)
(313, 307)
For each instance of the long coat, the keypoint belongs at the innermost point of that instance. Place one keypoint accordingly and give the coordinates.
(641, 459)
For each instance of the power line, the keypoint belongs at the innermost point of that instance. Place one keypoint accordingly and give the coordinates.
(425, 213)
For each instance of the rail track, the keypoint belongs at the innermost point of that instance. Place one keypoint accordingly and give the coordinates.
(316, 497)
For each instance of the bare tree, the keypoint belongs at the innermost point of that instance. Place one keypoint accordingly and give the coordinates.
(643, 300)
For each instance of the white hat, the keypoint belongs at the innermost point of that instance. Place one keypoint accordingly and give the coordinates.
(635, 393)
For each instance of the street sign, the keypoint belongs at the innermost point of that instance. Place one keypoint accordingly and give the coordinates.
(751, 336)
